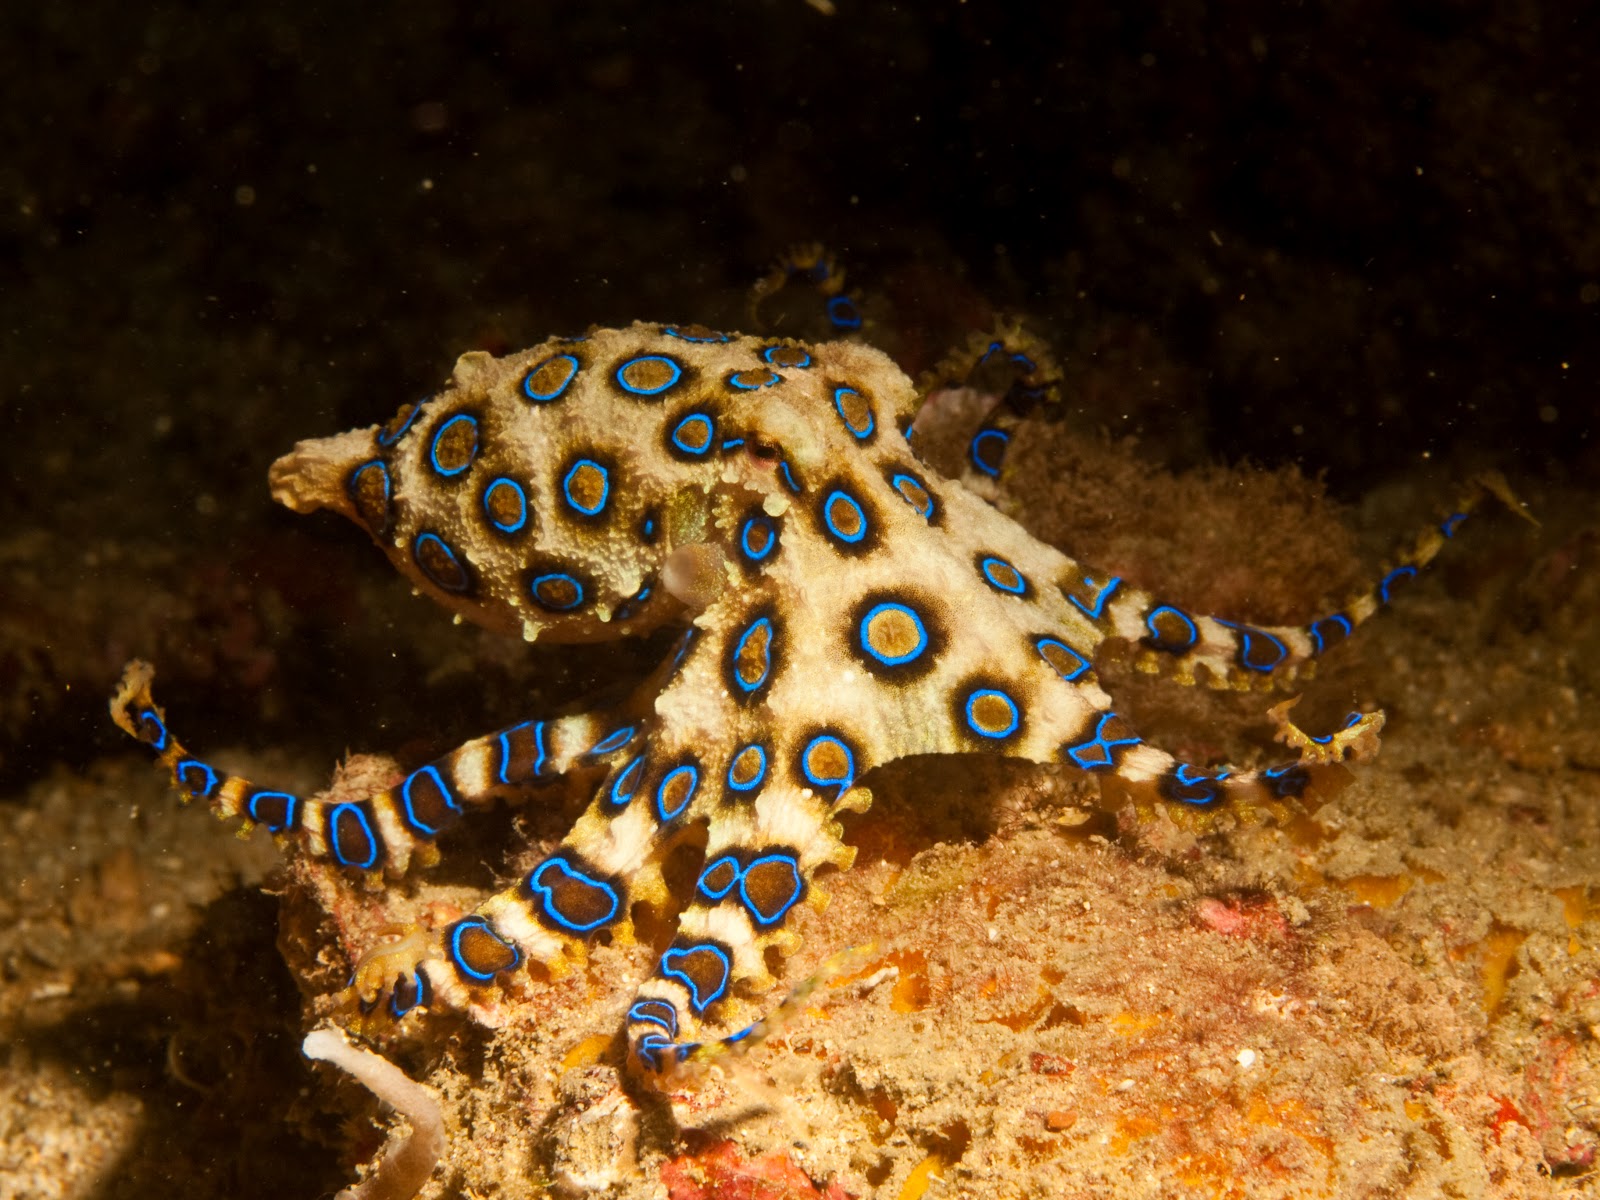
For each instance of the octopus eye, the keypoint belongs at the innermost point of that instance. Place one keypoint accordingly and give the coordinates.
(766, 451)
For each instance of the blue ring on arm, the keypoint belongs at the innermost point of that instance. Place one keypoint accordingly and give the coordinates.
(336, 842)
(560, 389)
(677, 374)
(989, 566)
(688, 796)
(210, 776)
(861, 517)
(546, 893)
(521, 520)
(605, 491)
(766, 658)
(615, 740)
(1011, 707)
(1150, 624)
(894, 660)
(433, 447)
(924, 510)
(838, 406)
(843, 782)
(975, 451)
(626, 782)
(679, 430)
(844, 314)
(558, 576)
(451, 802)
(460, 963)
(760, 776)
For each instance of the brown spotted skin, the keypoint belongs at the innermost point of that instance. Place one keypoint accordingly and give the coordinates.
(842, 604)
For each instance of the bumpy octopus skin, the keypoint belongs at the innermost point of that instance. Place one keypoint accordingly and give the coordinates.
(842, 604)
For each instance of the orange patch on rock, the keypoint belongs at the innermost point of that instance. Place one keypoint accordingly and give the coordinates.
(719, 1173)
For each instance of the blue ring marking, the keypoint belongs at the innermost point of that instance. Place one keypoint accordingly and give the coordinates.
(925, 511)
(975, 451)
(698, 1002)
(517, 525)
(386, 440)
(769, 527)
(1350, 720)
(772, 380)
(1189, 777)
(652, 1045)
(1019, 588)
(649, 1010)
(1150, 624)
(460, 928)
(1106, 591)
(505, 750)
(1448, 525)
(750, 689)
(459, 585)
(158, 741)
(1316, 629)
(547, 895)
(1021, 359)
(419, 995)
(648, 529)
(711, 335)
(681, 427)
(844, 781)
(1290, 779)
(688, 796)
(838, 406)
(187, 765)
(354, 486)
(760, 776)
(621, 371)
(450, 800)
(766, 357)
(433, 447)
(788, 477)
(894, 660)
(1083, 663)
(1011, 706)
(626, 782)
(731, 444)
(336, 843)
(554, 576)
(560, 389)
(756, 915)
(291, 809)
(1083, 753)
(615, 740)
(1247, 646)
(605, 490)
(861, 517)
(1406, 572)
(706, 889)
(844, 314)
